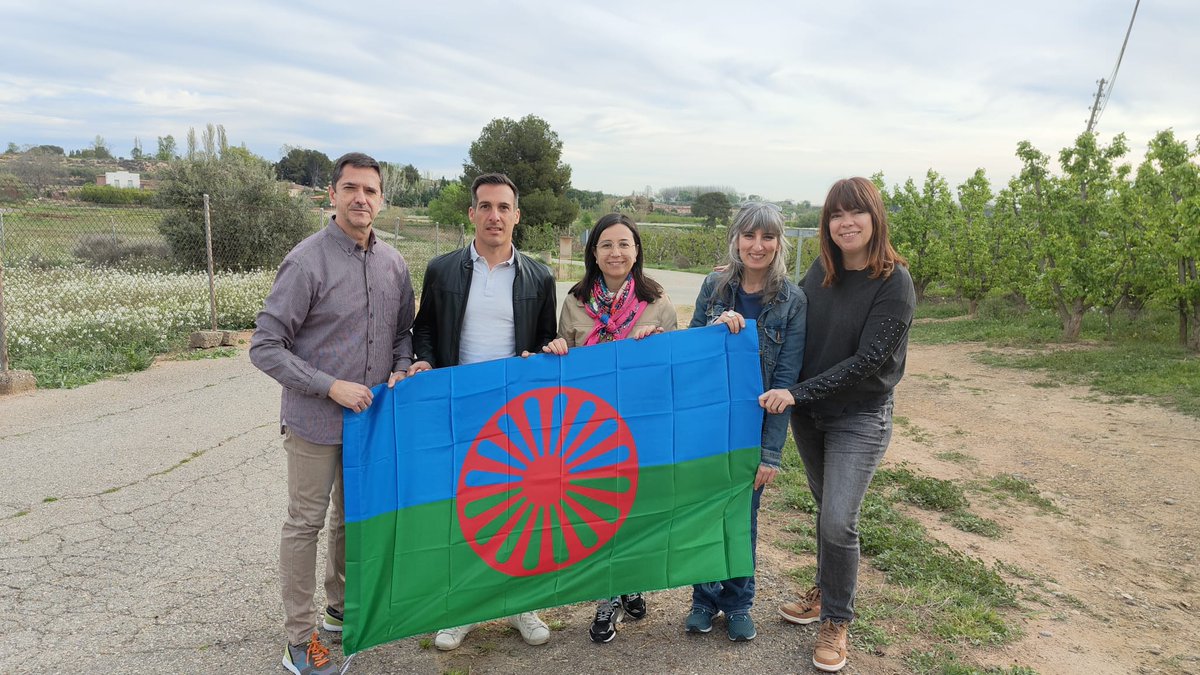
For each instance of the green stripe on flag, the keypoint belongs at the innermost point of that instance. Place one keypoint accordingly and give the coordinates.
(412, 572)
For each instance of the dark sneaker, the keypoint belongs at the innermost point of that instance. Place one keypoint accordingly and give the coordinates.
(309, 659)
(604, 626)
(741, 628)
(829, 654)
(805, 610)
(634, 605)
(699, 621)
(332, 621)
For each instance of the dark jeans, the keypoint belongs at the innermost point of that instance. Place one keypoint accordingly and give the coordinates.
(732, 596)
(840, 455)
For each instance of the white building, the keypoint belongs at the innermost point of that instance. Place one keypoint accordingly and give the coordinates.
(123, 179)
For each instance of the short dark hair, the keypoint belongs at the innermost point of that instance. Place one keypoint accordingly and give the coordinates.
(493, 179)
(355, 159)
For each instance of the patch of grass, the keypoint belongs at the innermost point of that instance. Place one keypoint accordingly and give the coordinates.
(425, 643)
(201, 354)
(943, 661)
(75, 366)
(805, 575)
(956, 457)
(940, 308)
(969, 522)
(49, 500)
(1007, 485)
(922, 491)
(1045, 384)
(1165, 373)
(933, 592)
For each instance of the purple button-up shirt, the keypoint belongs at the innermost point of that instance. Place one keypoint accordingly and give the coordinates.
(335, 312)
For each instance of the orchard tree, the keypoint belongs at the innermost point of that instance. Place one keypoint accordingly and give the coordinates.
(530, 153)
(919, 221)
(973, 242)
(1169, 182)
(714, 207)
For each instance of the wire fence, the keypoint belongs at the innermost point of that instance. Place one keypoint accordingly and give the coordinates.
(87, 278)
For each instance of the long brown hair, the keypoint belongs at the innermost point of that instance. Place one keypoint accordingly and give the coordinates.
(645, 288)
(858, 194)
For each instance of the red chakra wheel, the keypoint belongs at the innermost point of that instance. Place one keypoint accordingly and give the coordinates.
(547, 482)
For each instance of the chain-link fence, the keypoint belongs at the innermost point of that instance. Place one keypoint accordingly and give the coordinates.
(120, 280)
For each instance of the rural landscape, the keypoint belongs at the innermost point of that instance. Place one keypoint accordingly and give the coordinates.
(1036, 510)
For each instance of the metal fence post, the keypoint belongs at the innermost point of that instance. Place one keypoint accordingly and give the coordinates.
(2, 251)
(3, 334)
(437, 240)
(212, 286)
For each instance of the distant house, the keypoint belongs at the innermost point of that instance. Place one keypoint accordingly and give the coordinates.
(121, 179)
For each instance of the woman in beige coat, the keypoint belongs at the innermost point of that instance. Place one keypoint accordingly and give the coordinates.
(613, 301)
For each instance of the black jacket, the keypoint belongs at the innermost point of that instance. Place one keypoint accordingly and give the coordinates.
(438, 326)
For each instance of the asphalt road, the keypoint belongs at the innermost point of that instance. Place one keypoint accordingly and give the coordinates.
(139, 529)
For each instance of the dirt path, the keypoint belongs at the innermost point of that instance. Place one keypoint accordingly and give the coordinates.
(1114, 587)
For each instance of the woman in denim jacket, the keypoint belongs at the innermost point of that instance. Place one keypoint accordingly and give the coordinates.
(753, 285)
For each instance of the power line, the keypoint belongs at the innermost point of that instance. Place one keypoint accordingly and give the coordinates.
(1102, 96)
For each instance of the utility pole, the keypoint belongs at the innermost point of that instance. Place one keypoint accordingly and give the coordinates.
(1096, 106)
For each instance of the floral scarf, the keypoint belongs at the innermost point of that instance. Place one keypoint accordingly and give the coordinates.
(615, 313)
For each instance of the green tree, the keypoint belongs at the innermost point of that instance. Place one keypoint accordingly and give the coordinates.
(530, 153)
(1169, 183)
(973, 242)
(450, 206)
(166, 148)
(919, 222)
(13, 149)
(714, 206)
(254, 221)
(39, 169)
(306, 167)
(136, 152)
(1075, 263)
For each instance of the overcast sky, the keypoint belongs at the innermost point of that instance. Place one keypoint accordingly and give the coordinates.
(774, 98)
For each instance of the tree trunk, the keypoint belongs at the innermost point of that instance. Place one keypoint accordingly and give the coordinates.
(919, 287)
(1073, 320)
(973, 308)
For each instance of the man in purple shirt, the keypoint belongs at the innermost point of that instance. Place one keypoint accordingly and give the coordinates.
(337, 322)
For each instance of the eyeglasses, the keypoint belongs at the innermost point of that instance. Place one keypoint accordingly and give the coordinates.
(622, 246)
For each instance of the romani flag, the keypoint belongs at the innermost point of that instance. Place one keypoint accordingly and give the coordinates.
(482, 491)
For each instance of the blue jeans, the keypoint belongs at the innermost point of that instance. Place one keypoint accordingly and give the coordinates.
(732, 596)
(840, 455)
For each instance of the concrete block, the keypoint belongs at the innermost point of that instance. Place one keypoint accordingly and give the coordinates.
(205, 339)
(229, 338)
(16, 381)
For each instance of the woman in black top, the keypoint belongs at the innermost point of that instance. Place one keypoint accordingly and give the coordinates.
(860, 307)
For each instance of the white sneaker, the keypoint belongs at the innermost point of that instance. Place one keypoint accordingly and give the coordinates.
(533, 630)
(450, 638)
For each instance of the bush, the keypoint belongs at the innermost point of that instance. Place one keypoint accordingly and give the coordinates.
(12, 189)
(684, 248)
(254, 221)
(107, 194)
(540, 238)
(101, 250)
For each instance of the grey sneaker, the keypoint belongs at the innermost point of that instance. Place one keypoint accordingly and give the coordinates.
(309, 659)
(533, 630)
(604, 626)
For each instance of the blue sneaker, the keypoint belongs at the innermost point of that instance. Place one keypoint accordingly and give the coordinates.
(699, 621)
(741, 628)
(309, 659)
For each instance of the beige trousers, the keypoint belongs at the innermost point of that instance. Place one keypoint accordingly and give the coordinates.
(314, 482)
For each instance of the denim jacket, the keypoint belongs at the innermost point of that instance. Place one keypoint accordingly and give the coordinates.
(781, 327)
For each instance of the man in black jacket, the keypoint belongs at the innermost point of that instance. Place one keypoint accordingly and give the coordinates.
(486, 301)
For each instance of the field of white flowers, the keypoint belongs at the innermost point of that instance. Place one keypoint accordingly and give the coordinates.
(102, 321)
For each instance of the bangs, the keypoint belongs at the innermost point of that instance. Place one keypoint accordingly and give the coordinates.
(847, 195)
